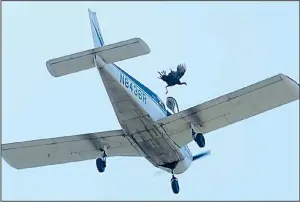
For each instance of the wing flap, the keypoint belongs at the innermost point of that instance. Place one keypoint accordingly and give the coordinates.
(85, 60)
(60, 150)
(231, 108)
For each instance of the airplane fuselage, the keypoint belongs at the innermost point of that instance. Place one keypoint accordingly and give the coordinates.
(137, 109)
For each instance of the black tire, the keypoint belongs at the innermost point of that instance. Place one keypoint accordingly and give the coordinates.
(100, 165)
(175, 185)
(200, 140)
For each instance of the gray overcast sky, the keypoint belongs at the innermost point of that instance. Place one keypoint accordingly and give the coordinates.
(226, 46)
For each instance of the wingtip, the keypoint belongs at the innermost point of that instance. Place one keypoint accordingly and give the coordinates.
(90, 11)
(50, 69)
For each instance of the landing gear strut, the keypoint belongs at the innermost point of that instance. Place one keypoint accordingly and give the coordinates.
(174, 184)
(101, 163)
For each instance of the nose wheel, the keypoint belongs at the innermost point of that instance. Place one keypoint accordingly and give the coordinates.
(174, 184)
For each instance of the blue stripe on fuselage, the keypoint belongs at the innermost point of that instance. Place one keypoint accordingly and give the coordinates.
(145, 89)
(98, 34)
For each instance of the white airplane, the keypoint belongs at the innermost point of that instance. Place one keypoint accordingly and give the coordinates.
(149, 130)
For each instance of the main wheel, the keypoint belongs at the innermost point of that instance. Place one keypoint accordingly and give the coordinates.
(101, 164)
(175, 185)
(200, 140)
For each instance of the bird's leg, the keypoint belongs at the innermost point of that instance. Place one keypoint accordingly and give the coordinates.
(166, 89)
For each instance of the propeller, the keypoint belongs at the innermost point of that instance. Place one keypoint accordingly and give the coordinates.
(158, 173)
(195, 157)
(200, 155)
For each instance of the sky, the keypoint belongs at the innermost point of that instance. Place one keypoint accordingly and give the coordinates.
(226, 46)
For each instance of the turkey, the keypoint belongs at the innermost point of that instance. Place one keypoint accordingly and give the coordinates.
(173, 78)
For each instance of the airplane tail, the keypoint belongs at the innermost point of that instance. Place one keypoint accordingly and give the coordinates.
(111, 53)
(97, 36)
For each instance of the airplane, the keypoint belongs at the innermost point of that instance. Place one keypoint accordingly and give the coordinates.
(149, 129)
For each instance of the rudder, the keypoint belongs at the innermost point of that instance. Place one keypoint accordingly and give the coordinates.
(97, 36)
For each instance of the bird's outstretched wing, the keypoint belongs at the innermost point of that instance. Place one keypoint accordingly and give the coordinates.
(181, 68)
(172, 74)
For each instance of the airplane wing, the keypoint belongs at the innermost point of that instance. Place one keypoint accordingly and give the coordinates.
(67, 149)
(231, 108)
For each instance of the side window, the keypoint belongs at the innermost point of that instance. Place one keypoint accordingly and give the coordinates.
(162, 104)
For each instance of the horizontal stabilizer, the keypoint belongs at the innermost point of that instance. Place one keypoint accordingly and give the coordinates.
(85, 60)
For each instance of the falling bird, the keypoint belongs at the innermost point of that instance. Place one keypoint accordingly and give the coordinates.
(173, 78)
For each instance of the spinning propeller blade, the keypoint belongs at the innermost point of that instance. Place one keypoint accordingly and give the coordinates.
(198, 156)
(158, 173)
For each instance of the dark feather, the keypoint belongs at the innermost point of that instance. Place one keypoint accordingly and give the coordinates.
(173, 77)
(181, 68)
(163, 76)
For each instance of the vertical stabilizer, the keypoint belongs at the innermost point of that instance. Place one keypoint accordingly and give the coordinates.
(97, 36)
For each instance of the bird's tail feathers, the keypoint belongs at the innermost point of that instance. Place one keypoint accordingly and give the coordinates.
(162, 75)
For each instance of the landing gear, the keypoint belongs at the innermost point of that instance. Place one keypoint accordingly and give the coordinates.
(199, 139)
(174, 184)
(101, 163)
